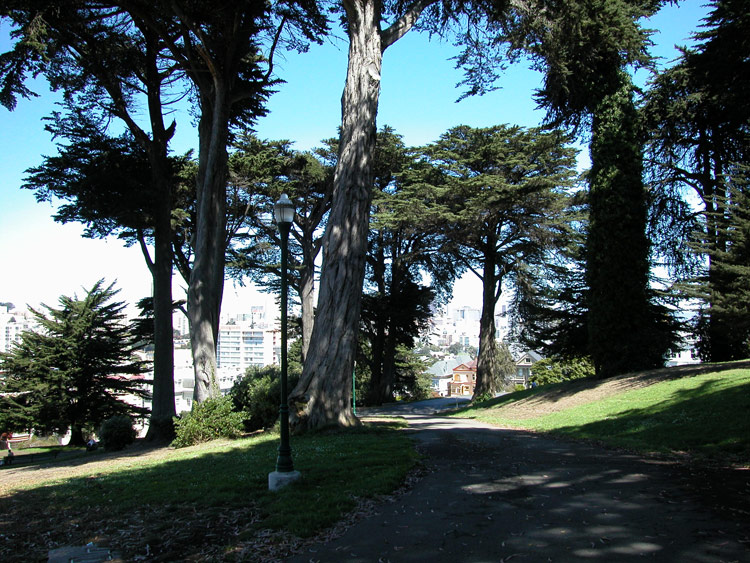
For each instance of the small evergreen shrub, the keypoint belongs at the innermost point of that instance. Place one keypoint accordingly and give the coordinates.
(211, 419)
(117, 432)
(556, 370)
(257, 395)
(482, 398)
(518, 387)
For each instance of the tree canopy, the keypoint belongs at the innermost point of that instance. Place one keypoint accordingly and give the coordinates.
(76, 371)
(501, 195)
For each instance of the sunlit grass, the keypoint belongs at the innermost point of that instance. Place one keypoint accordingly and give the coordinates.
(705, 414)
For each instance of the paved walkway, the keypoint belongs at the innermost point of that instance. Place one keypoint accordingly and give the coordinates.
(496, 495)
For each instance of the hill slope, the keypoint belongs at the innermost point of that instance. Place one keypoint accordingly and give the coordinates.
(702, 410)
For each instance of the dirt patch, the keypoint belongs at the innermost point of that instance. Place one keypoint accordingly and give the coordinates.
(586, 391)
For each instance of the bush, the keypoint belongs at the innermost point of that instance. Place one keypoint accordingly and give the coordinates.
(556, 370)
(518, 387)
(257, 395)
(117, 432)
(208, 420)
(482, 398)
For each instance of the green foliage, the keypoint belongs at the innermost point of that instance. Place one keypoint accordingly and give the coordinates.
(402, 247)
(628, 329)
(697, 113)
(211, 419)
(581, 48)
(412, 380)
(499, 194)
(76, 371)
(518, 387)
(268, 169)
(556, 370)
(257, 395)
(482, 398)
(117, 432)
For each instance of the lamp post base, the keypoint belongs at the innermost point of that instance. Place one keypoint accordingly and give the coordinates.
(278, 480)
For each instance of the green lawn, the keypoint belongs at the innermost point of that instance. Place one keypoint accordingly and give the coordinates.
(706, 415)
(224, 483)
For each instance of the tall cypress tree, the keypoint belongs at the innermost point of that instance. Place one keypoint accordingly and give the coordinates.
(625, 332)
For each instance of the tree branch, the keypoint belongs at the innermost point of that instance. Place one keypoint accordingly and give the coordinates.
(402, 25)
(276, 38)
(144, 250)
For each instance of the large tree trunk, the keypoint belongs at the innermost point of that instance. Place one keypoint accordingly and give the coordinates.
(206, 286)
(162, 403)
(488, 367)
(383, 388)
(621, 326)
(323, 395)
(76, 436)
(161, 426)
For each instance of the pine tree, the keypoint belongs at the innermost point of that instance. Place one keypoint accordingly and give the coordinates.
(697, 113)
(76, 371)
(627, 330)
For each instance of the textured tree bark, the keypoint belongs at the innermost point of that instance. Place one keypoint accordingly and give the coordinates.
(206, 286)
(487, 363)
(323, 394)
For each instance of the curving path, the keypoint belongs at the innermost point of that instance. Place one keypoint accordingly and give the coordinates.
(496, 495)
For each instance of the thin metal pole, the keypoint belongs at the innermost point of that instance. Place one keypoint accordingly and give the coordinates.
(284, 462)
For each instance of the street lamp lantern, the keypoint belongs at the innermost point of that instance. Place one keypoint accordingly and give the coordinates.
(283, 212)
(283, 215)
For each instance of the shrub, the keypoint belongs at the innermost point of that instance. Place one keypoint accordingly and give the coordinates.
(555, 370)
(482, 398)
(518, 387)
(208, 420)
(257, 395)
(117, 432)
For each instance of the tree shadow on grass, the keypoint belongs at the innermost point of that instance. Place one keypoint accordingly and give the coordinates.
(200, 504)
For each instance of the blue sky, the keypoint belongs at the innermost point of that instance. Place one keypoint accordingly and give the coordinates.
(42, 260)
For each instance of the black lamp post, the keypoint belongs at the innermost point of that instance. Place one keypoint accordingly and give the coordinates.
(283, 215)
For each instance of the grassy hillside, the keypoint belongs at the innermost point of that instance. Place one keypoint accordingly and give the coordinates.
(702, 411)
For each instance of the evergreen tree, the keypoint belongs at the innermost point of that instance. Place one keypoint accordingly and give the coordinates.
(555, 312)
(263, 170)
(402, 246)
(698, 119)
(504, 190)
(623, 333)
(77, 371)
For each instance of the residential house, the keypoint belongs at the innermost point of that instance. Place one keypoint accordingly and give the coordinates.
(523, 368)
(464, 379)
(441, 373)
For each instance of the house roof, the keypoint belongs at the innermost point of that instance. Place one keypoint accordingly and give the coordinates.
(466, 366)
(445, 367)
(533, 356)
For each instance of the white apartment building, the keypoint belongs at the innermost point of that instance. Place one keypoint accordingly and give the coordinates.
(243, 344)
(13, 322)
(461, 325)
